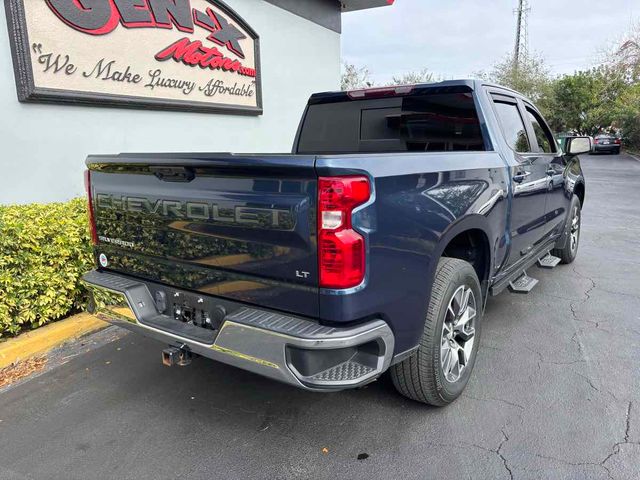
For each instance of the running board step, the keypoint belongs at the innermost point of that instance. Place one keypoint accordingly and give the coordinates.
(523, 284)
(548, 261)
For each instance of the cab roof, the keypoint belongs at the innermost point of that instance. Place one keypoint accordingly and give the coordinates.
(447, 86)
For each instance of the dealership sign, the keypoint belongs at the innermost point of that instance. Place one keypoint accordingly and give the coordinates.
(169, 54)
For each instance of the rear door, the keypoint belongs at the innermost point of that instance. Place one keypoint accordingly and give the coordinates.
(529, 181)
(241, 227)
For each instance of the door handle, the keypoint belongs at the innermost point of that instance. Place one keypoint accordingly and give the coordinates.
(520, 176)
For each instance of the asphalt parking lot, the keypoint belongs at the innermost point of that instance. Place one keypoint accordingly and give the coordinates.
(555, 392)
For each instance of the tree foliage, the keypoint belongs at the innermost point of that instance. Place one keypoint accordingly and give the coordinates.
(626, 114)
(583, 103)
(410, 78)
(360, 77)
(626, 110)
(354, 77)
(624, 54)
(530, 76)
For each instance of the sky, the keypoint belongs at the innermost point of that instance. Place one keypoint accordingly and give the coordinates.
(456, 38)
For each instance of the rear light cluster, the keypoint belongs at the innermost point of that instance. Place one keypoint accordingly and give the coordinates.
(341, 250)
(595, 140)
(92, 220)
(617, 141)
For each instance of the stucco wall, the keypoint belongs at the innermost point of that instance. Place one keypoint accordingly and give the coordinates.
(43, 147)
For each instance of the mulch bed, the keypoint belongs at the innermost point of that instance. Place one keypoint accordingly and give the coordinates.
(21, 369)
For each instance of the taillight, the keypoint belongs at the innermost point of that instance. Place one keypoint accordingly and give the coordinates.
(595, 140)
(92, 220)
(617, 141)
(341, 250)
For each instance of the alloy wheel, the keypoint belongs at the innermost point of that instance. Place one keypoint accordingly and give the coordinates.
(575, 229)
(458, 333)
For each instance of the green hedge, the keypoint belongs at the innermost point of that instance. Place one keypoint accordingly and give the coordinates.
(44, 249)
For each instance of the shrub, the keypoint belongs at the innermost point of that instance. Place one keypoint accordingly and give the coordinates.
(627, 114)
(44, 249)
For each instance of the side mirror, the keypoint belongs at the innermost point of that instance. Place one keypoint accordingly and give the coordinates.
(577, 145)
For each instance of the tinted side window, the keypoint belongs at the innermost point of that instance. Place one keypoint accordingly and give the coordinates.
(438, 122)
(428, 122)
(545, 140)
(513, 126)
(329, 128)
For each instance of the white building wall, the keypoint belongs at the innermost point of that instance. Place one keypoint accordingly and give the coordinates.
(43, 147)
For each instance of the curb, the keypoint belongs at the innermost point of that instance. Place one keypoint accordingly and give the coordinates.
(50, 336)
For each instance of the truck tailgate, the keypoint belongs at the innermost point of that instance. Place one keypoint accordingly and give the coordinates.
(237, 226)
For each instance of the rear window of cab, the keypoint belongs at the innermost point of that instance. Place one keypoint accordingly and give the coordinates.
(426, 122)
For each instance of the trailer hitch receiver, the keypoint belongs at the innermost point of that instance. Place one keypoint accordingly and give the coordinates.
(180, 356)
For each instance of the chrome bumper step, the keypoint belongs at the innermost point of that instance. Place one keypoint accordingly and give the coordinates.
(284, 347)
(277, 322)
(345, 371)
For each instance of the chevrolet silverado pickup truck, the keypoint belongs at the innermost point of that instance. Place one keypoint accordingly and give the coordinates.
(373, 247)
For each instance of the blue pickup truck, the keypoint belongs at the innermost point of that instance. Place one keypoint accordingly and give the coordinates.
(373, 247)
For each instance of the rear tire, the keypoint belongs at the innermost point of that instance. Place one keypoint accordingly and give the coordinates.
(451, 334)
(568, 252)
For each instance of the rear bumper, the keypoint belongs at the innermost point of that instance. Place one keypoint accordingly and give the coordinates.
(289, 349)
(606, 148)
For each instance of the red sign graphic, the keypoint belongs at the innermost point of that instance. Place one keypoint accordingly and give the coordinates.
(100, 17)
(191, 55)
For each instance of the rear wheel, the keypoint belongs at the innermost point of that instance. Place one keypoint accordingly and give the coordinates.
(569, 250)
(439, 370)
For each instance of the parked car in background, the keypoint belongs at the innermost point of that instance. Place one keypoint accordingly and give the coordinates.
(606, 143)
